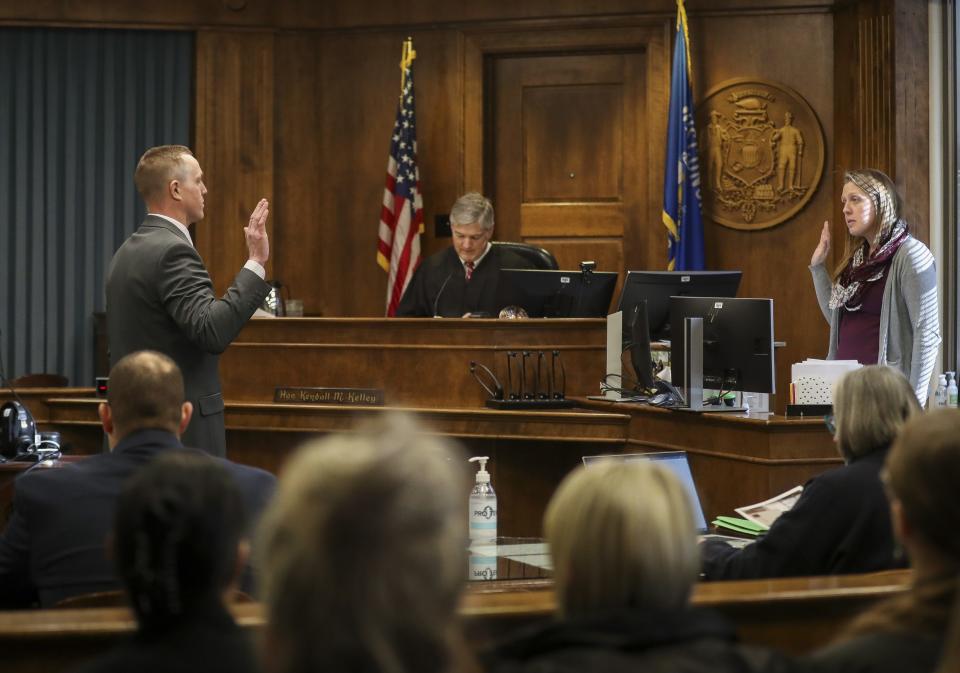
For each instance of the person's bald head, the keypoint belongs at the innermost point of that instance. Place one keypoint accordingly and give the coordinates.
(145, 391)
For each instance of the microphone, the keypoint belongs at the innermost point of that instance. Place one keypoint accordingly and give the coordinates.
(436, 302)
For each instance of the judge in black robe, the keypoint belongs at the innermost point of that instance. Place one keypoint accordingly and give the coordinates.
(461, 281)
(439, 287)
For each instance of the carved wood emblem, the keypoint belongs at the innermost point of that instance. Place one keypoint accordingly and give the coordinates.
(762, 153)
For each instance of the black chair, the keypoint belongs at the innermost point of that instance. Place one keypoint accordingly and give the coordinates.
(540, 258)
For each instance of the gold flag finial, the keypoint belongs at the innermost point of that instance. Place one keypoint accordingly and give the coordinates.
(406, 60)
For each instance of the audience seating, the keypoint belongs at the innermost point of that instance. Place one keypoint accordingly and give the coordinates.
(795, 615)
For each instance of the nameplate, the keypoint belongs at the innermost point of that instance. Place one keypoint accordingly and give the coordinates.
(372, 397)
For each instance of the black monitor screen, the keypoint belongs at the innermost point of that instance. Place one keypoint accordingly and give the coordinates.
(658, 286)
(737, 342)
(556, 294)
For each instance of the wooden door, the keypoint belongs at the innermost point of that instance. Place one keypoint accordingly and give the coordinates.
(567, 157)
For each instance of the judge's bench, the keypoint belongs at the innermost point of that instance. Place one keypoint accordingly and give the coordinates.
(423, 366)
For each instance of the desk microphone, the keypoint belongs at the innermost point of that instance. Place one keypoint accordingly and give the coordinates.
(436, 302)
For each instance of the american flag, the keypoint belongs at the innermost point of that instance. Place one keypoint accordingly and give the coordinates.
(401, 218)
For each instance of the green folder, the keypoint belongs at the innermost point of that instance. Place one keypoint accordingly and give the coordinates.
(744, 526)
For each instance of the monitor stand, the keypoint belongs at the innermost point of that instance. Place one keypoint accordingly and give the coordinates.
(692, 388)
(614, 368)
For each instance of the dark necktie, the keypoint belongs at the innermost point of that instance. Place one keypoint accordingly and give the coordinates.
(468, 270)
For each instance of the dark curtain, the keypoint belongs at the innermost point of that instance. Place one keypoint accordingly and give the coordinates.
(77, 109)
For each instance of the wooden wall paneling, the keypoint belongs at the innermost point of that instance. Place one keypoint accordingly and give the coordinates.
(338, 14)
(642, 241)
(882, 116)
(300, 225)
(874, 121)
(361, 80)
(564, 133)
(846, 143)
(911, 92)
(234, 142)
(795, 51)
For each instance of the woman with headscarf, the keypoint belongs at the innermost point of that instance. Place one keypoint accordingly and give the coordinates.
(881, 302)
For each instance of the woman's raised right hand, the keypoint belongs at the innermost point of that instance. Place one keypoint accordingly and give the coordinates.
(823, 247)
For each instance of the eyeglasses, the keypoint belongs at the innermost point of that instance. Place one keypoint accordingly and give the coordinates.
(831, 422)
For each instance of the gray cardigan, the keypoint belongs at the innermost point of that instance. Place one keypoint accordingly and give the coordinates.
(909, 314)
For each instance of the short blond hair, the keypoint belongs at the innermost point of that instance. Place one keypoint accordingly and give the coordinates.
(870, 406)
(621, 535)
(157, 167)
(363, 552)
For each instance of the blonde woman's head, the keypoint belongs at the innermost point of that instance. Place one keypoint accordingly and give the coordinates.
(363, 553)
(870, 405)
(622, 535)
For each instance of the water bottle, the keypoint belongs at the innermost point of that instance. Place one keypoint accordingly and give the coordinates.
(940, 396)
(483, 525)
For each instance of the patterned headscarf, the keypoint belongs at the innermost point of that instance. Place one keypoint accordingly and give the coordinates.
(865, 268)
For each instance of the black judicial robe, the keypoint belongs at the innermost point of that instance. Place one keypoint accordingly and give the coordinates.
(439, 286)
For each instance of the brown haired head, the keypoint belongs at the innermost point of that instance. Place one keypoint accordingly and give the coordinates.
(145, 391)
(922, 473)
(156, 168)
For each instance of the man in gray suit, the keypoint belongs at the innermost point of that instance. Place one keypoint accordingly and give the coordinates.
(159, 295)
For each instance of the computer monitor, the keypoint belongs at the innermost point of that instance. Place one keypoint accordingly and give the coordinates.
(737, 342)
(676, 462)
(658, 286)
(556, 294)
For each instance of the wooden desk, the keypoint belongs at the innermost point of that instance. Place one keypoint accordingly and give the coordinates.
(416, 362)
(736, 460)
(423, 366)
(530, 452)
(795, 615)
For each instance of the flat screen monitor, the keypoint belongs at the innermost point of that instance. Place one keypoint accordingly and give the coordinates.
(676, 462)
(556, 294)
(658, 286)
(737, 342)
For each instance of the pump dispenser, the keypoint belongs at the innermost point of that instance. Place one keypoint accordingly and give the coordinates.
(940, 396)
(483, 525)
(483, 505)
(952, 390)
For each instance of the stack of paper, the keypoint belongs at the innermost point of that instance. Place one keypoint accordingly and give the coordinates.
(758, 518)
(812, 381)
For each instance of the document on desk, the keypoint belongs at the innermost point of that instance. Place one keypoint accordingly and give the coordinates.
(766, 512)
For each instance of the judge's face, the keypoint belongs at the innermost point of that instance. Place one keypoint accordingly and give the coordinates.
(859, 213)
(189, 189)
(470, 240)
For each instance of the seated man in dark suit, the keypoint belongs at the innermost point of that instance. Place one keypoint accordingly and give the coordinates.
(54, 545)
(461, 280)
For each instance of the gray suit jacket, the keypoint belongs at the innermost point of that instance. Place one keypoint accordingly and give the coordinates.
(159, 297)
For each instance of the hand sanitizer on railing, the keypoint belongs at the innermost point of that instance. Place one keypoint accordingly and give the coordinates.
(940, 396)
(483, 525)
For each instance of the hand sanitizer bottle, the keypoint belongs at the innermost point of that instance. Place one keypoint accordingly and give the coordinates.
(483, 525)
(940, 396)
(952, 390)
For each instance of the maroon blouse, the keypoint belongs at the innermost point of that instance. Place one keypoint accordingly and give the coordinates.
(859, 335)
